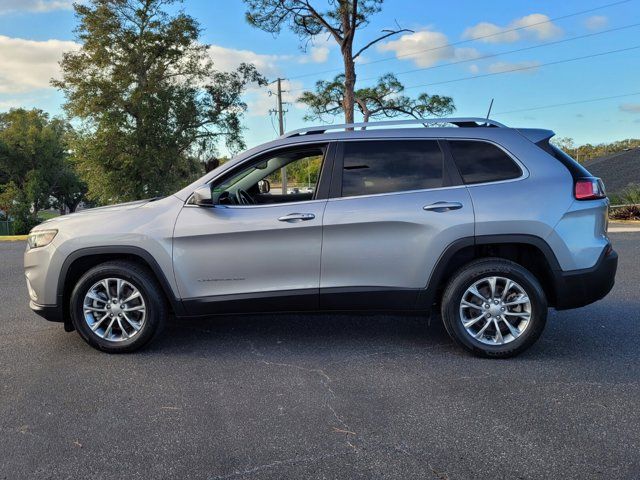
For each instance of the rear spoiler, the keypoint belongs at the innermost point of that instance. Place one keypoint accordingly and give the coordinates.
(536, 135)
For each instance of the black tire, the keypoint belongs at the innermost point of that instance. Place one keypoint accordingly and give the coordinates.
(156, 309)
(474, 272)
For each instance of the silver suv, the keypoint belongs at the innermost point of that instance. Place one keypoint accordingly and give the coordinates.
(492, 224)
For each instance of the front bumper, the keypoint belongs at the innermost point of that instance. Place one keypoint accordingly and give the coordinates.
(578, 288)
(53, 313)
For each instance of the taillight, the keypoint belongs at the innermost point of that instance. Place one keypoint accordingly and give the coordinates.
(589, 189)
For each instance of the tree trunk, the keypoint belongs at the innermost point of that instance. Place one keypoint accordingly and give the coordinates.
(349, 84)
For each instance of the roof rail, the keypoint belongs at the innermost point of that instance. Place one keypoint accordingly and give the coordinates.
(459, 122)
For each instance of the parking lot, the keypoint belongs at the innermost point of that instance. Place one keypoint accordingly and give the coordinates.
(322, 396)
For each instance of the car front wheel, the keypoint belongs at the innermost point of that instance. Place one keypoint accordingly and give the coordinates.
(118, 307)
(494, 308)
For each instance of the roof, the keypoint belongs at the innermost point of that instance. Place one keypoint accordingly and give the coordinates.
(616, 171)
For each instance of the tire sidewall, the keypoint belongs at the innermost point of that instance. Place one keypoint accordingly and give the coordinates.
(471, 274)
(145, 287)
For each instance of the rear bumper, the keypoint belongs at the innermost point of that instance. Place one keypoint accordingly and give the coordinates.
(582, 287)
(53, 313)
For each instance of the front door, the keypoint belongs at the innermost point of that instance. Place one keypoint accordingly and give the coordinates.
(258, 246)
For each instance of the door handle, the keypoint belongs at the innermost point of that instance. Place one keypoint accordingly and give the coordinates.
(297, 217)
(442, 206)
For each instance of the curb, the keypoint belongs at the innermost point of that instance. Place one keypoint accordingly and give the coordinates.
(13, 238)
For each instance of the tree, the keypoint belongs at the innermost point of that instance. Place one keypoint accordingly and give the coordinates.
(69, 190)
(383, 100)
(33, 157)
(149, 101)
(341, 20)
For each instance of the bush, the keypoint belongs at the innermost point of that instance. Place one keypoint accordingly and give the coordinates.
(632, 212)
(631, 194)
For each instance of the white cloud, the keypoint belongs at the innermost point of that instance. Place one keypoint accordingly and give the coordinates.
(28, 64)
(517, 67)
(10, 6)
(426, 48)
(596, 22)
(473, 68)
(630, 107)
(228, 59)
(318, 52)
(535, 26)
(15, 103)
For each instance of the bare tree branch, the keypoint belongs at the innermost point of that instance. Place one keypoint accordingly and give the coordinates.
(373, 42)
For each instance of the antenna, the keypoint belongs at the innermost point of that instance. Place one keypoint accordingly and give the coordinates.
(490, 106)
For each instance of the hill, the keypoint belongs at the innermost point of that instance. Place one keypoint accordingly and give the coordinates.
(616, 170)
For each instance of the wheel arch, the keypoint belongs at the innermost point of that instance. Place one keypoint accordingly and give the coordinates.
(529, 251)
(81, 260)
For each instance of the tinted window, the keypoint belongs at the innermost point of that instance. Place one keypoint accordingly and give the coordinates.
(382, 167)
(482, 162)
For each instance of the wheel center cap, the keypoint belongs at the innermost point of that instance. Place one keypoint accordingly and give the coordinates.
(495, 310)
(115, 309)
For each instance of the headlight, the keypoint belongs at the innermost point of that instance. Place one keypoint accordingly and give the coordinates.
(41, 238)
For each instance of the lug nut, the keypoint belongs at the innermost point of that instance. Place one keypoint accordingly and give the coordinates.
(496, 302)
(486, 306)
(502, 309)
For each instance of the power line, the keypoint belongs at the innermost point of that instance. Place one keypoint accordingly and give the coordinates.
(524, 49)
(527, 67)
(472, 39)
(493, 55)
(568, 103)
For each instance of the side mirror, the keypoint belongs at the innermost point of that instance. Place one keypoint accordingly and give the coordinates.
(202, 196)
(264, 186)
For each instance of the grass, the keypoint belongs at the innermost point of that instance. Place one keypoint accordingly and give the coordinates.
(12, 238)
(47, 214)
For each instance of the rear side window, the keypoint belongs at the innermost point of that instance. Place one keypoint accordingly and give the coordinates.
(391, 166)
(480, 162)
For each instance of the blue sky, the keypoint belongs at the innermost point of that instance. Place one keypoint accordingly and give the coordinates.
(33, 33)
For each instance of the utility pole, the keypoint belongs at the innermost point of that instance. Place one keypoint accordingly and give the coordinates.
(283, 170)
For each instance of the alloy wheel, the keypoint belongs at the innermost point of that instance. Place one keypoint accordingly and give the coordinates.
(495, 310)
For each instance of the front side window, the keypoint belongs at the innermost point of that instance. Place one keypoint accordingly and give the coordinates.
(374, 167)
(262, 182)
(480, 162)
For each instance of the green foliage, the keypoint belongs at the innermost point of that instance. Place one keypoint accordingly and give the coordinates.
(150, 103)
(305, 20)
(33, 162)
(383, 100)
(630, 195)
(588, 151)
(301, 173)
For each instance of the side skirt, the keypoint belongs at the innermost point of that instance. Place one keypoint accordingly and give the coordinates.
(306, 300)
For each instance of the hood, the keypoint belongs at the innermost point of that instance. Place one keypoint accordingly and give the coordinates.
(119, 207)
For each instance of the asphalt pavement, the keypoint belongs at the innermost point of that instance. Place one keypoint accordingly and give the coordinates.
(322, 397)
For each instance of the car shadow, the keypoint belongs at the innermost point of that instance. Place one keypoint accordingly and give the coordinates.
(569, 335)
(350, 331)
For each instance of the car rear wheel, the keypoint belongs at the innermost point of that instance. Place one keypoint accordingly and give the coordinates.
(494, 308)
(118, 307)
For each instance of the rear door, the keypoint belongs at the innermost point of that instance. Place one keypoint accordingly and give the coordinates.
(396, 205)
